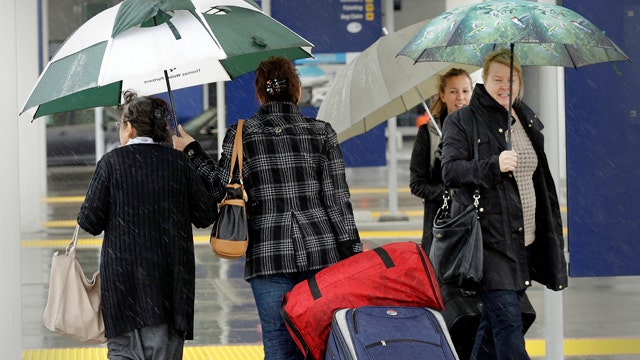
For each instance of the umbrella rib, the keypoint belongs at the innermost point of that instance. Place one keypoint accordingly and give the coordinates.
(426, 108)
(173, 29)
(570, 57)
(204, 23)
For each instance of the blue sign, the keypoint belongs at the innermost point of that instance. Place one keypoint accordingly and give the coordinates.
(603, 142)
(335, 27)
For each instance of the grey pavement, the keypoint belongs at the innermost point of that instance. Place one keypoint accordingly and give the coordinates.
(605, 307)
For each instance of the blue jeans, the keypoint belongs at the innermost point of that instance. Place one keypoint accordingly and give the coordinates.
(500, 335)
(268, 292)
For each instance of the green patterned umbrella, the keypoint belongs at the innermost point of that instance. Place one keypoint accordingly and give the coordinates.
(542, 34)
(539, 34)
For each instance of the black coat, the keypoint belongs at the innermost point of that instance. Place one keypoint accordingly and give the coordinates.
(144, 197)
(507, 263)
(425, 181)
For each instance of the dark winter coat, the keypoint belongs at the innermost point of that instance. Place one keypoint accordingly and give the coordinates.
(425, 180)
(145, 198)
(506, 263)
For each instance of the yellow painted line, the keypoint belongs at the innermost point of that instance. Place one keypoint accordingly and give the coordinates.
(535, 348)
(363, 234)
(230, 352)
(204, 239)
(77, 199)
(411, 213)
(47, 243)
(391, 234)
(224, 352)
(60, 224)
(64, 199)
(361, 191)
(588, 346)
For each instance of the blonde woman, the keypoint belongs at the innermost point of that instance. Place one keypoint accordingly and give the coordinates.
(519, 210)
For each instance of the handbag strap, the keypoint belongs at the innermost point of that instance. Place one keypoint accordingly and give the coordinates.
(71, 248)
(236, 155)
(476, 194)
(476, 140)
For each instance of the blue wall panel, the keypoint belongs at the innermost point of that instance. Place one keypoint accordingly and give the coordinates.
(603, 144)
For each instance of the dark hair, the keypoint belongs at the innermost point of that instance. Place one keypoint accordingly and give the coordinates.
(439, 108)
(148, 115)
(277, 80)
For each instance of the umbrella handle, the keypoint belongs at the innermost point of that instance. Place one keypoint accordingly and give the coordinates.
(510, 100)
(173, 109)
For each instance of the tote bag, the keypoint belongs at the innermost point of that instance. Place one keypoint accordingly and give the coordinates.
(73, 304)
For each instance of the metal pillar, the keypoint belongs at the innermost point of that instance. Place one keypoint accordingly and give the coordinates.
(392, 136)
(11, 309)
(31, 136)
(547, 83)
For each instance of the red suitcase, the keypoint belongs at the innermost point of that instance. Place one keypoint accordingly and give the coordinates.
(395, 274)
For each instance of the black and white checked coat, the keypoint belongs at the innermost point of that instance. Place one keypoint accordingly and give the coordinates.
(507, 263)
(300, 215)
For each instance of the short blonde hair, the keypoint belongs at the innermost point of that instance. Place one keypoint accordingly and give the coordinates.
(503, 56)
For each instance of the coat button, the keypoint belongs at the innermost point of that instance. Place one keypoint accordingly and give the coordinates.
(520, 229)
(510, 175)
(481, 209)
(527, 283)
(278, 130)
(500, 130)
(190, 153)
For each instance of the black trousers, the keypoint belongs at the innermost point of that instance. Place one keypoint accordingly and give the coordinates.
(155, 342)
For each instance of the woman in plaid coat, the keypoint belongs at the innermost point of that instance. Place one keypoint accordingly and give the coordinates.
(300, 216)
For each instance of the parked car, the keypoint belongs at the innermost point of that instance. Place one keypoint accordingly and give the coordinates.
(204, 128)
(71, 138)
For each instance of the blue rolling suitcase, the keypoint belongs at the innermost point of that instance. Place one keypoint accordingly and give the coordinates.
(389, 332)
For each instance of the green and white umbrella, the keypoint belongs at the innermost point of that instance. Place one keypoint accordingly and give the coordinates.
(153, 46)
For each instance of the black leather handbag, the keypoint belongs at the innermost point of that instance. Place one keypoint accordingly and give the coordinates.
(229, 236)
(456, 250)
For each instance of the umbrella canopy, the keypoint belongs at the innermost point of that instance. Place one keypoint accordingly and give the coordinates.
(152, 46)
(376, 85)
(542, 34)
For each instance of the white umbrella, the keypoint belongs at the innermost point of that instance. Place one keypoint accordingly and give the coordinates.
(376, 85)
